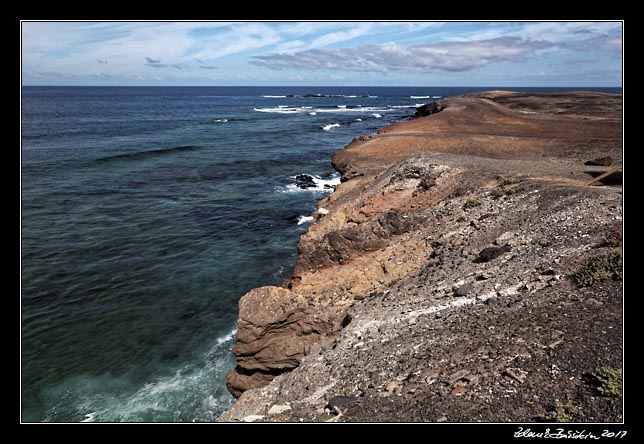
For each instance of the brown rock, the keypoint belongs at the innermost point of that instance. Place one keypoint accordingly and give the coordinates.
(456, 376)
(391, 387)
(398, 242)
(459, 390)
(275, 326)
(516, 373)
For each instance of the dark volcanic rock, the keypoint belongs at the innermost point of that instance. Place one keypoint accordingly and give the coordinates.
(464, 289)
(429, 108)
(305, 181)
(339, 246)
(490, 253)
(600, 161)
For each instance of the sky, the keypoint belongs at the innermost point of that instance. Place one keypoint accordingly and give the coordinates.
(539, 54)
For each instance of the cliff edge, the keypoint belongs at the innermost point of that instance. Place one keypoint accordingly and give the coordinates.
(462, 271)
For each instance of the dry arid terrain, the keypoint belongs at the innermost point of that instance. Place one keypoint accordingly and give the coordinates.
(463, 271)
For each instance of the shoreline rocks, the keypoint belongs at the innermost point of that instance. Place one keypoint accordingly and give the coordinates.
(442, 251)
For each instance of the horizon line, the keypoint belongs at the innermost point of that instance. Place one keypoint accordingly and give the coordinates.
(323, 86)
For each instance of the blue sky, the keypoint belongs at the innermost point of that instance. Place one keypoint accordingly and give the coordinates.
(323, 53)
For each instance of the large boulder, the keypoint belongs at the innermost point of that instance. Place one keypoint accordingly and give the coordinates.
(429, 108)
(275, 326)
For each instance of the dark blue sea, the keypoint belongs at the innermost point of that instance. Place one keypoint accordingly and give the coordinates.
(147, 213)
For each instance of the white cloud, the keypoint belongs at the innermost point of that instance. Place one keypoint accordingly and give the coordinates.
(389, 57)
(341, 36)
(189, 49)
(586, 36)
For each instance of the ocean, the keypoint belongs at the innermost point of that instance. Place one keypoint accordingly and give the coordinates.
(147, 212)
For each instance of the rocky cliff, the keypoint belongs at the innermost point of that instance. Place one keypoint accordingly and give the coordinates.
(462, 271)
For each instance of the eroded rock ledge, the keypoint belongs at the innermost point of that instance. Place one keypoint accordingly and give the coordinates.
(437, 283)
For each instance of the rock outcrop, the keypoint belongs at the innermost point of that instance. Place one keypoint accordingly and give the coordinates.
(437, 282)
(275, 327)
(429, 108)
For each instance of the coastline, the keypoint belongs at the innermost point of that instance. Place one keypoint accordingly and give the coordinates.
(393, 264)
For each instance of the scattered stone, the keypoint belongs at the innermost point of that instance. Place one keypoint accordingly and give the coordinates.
(516, 374)
(442, 418)
(340, 402)
(486, 274)
(472, 379)
(391, 387)
(504, 238)
(456, 376)
(459, 390)
(252, 418)
(555, 343)
(464, 289)
(323, 211)
(336, 418)
(429, 375)
(278, 408)
(600, 161)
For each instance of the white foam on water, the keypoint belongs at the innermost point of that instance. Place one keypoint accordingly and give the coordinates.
(279, 110)
(420, 97)
(321, 183)
(166, 398)
(376, 115)
(227, 337)
(304, 219)
(358, 120)
(284, 109)
(356, 109)
(436, 97)
(90, 417)
(313, 113)
(220, 120)
(274, 97)
(330, 126)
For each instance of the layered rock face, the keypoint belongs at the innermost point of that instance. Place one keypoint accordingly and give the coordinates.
(437, 282)
(275, 327)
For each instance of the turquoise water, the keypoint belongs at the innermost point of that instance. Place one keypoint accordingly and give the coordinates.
(146, 214)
